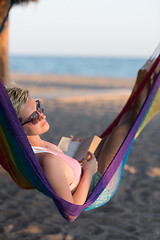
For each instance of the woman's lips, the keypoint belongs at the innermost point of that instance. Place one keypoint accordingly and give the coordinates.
(44, 123)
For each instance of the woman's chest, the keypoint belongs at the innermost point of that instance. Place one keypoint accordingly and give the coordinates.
(68, 171)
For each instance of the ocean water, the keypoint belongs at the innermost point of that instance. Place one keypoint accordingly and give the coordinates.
(83, 66)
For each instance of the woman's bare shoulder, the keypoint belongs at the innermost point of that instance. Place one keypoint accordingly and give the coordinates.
(48, 159)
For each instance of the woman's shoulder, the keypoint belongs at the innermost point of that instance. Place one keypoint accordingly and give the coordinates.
(47, 159)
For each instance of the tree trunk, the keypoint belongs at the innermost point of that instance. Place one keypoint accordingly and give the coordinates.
(4, 62)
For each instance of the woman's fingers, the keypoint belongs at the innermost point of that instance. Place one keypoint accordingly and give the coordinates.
(90, 165)
(90, 155)
(77, 139)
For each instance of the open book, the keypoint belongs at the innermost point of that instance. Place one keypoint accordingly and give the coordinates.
(79, 150)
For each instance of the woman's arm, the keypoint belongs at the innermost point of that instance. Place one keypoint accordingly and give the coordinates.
(56, 177)
(89, 169)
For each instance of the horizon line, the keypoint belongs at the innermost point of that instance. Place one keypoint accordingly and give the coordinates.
(76, 56)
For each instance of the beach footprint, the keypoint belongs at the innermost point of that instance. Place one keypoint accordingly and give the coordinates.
(154, 172)
(130, 169)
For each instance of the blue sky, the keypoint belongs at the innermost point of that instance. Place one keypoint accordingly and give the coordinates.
(85, 28)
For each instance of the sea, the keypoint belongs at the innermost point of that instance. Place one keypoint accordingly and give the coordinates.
(84, 66)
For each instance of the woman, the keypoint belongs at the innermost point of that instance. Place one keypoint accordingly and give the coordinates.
(66, 176)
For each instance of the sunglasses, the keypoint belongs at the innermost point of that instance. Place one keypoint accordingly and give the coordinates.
(35, 116)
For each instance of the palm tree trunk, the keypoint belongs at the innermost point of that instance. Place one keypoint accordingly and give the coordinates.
(4, 62)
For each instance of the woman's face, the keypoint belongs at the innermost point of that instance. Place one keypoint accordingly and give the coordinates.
(30, 129)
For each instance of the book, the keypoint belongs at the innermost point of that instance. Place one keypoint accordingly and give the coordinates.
(79, 149)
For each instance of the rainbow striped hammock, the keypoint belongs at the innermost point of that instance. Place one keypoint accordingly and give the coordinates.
(18, 159)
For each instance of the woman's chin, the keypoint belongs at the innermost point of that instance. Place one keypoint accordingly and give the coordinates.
(48, 126)
(45, 126)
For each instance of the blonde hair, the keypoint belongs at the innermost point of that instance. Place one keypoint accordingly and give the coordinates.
(18, 98)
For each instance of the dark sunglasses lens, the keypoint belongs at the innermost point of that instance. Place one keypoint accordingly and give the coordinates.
(40, 106)
(35, 118)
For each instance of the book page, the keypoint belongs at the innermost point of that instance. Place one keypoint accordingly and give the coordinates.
(68, 146)
(89, 144)
(79, 150)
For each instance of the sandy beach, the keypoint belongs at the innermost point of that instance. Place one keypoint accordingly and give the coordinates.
(82, 106)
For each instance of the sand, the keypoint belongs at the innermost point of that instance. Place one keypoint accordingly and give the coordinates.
(79, 106)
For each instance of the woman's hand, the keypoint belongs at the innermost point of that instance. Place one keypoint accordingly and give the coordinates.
(90, 166)
(77, 139)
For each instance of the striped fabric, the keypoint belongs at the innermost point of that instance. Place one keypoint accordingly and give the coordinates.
(18, 159)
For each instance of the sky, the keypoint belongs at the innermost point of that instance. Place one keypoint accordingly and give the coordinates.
(123, 28)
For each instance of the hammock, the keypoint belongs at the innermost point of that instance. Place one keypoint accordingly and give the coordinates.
(18, 159)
